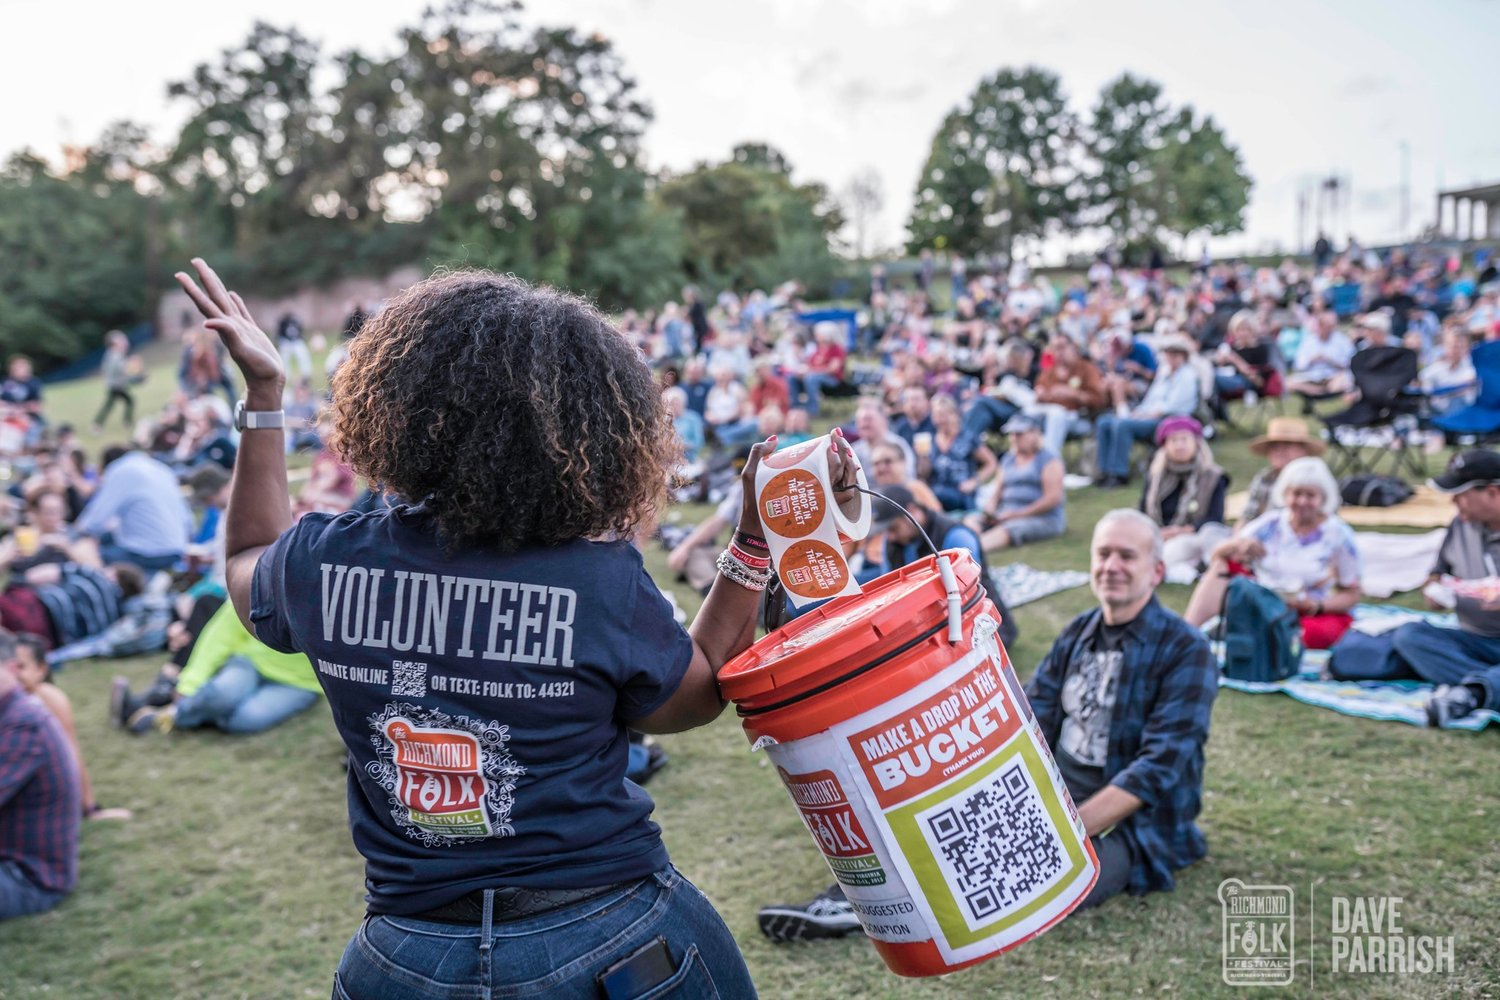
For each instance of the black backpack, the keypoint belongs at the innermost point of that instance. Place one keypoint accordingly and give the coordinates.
(1373, 490)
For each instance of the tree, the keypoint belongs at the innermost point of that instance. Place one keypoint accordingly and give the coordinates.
(75, 254)
(1001, 168)
(1160, 170)
(762, 156)
(479, 139)
(1201, 184)
(243, 156)
(746, 225)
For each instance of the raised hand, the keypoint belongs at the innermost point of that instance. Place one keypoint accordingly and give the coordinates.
(225, 314)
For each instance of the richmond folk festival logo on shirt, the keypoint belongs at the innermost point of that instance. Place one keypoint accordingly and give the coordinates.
(449, 778)
(438, 778)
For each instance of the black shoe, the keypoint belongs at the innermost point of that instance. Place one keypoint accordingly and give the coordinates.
(1450, 703)
(656, 759)
(122, 704)
(826, 915)
(142, 720)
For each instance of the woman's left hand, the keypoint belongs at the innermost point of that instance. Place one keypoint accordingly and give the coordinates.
(224, 313)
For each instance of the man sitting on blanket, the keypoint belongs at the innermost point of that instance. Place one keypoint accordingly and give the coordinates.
(1465, 660)
(1124, 698)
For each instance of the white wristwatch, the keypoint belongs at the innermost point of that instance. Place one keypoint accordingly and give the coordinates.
(256, 420)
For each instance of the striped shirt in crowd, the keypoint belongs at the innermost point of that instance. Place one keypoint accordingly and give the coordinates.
(41, 804)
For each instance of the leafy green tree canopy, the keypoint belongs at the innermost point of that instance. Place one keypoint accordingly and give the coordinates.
(1159, 170)
(1002, 167)
(746, 224)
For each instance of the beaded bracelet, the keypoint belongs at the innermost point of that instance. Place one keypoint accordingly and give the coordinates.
(736, 572)
(754, 565)
(750, 566)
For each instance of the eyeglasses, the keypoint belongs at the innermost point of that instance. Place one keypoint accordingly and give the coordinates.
(885, 461)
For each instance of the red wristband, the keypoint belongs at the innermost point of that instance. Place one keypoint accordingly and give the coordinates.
(754, 562)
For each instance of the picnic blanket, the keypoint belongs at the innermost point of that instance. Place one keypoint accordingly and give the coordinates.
(1383, 701)
(1391, 564)
(1427, 508)
(1019, 584)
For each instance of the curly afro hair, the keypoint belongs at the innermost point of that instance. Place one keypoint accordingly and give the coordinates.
(518, 414)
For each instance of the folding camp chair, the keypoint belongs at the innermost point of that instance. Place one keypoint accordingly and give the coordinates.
(1381, 374)
(1481, 418)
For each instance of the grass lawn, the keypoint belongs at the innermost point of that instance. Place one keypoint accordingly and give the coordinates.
(237, 877)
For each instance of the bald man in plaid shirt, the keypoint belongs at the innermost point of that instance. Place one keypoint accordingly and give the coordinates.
(1124, 698)
(41, 805)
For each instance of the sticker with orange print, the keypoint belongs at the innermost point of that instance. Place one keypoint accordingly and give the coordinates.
(788, 457)
(793, 503)
(814, 570)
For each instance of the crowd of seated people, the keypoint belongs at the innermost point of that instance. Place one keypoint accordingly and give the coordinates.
(1125, 374)
(96, 557)
(979, 402)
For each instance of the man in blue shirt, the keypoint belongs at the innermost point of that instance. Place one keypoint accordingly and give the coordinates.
(138, 513)
(1124, 698)
(1173, 392)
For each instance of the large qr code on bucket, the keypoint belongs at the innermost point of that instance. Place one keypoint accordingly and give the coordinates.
(996, 844)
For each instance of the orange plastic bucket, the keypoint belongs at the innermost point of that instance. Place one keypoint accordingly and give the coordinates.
(918, 768)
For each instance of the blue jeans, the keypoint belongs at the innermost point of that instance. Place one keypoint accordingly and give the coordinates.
(1116, 436)
(1452, 656)
(110, 551)
(1059, 424)
(984, 415)
(552, 955)
(738, 432)
(1231, 385)
(1116, 861)
(20, 896)
(810, 386)
(238, 699)
(952, 498)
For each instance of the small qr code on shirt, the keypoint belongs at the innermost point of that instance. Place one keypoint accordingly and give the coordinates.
(408, 679)
(995, 844)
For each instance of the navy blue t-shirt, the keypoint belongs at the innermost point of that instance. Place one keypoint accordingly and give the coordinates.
(481, 697)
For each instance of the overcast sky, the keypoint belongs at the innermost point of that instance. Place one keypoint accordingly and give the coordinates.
(1305, 89)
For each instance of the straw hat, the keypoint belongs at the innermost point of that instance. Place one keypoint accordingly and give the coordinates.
(1175, 342)
(1288, 430)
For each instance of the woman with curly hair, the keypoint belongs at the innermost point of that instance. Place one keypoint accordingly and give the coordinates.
(484, 646)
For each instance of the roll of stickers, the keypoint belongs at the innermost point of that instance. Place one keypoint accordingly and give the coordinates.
(805, 527)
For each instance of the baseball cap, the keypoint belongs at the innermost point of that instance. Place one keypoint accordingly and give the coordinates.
(1021, 422)
(890, 507)
(1468, 469)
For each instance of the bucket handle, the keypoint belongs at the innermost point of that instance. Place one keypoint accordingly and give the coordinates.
(955, 601)
(944, 566)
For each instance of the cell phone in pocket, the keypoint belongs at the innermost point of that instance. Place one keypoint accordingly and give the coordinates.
(643, 969)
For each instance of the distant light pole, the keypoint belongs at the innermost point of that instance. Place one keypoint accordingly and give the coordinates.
(1405, 189)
